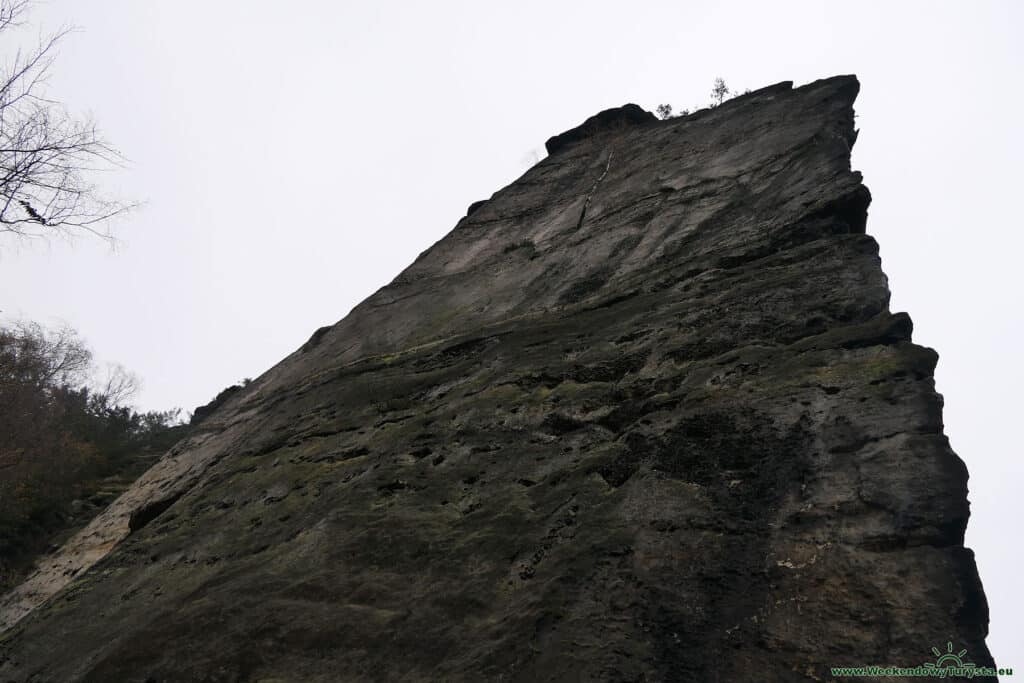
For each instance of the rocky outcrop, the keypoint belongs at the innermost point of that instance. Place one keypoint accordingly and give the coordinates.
(643, 415)
(609, 120)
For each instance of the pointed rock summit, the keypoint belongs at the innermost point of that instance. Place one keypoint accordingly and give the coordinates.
(643, 415)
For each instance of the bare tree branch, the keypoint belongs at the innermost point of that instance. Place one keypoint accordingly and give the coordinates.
(120, 385)
(47, 156)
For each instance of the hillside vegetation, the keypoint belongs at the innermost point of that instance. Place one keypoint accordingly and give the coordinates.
(70, 444)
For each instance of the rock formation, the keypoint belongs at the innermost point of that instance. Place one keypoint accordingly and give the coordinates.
(643, 415)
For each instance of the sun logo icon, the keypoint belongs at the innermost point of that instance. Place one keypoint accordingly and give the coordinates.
(948, 659)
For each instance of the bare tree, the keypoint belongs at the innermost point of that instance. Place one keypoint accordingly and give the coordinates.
(119, 385)
(32, 356)
(719, 91)
(47, 155)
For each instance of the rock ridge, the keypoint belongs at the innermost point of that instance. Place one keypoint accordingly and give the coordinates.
(604, 121)
(644, 414)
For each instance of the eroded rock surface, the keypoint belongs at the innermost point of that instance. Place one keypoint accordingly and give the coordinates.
(644, 415)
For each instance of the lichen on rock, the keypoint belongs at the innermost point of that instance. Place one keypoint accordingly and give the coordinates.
(644, 414)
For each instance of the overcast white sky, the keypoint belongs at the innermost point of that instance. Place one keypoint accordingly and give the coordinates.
(294, 157)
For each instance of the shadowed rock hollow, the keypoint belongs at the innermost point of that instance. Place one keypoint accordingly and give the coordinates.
(643, 415)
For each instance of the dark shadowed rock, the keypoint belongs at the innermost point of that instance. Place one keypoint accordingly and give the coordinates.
(202, 412)
(644, 415)
(474, 206)
(607, 120)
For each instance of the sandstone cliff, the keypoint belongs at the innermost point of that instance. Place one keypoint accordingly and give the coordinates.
(642, 415)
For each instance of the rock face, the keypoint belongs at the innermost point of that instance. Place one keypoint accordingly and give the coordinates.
(607, 120)
(644, 415)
